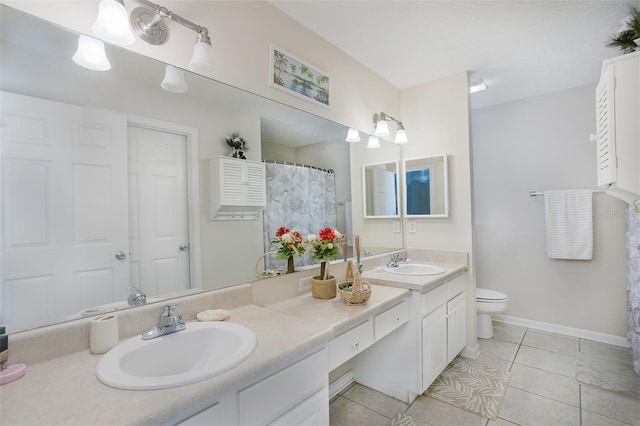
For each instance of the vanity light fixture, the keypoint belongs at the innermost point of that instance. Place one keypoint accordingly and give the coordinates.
(91, 54)
(147, 22)
(374, 142)
(477, 86)
(174, 80)
(112, 24)
(382, 128)
(353, 135)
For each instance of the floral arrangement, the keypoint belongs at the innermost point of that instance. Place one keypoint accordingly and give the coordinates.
(290, 242)
(238, 144)
(627, 38)
(325, 246)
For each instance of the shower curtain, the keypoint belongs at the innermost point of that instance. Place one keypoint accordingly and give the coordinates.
(298, 197)
(633, 284)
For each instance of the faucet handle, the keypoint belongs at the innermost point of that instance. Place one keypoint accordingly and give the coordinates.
(167, 310)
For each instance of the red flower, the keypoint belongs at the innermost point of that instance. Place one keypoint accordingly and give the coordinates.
(297, 236)
(281, 231)
(327, 234)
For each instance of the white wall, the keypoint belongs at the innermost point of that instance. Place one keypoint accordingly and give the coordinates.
(436, 116)
(541, 144)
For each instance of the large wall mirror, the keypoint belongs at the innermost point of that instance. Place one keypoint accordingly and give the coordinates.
(426, 187)
(380, 195)
(36, 65)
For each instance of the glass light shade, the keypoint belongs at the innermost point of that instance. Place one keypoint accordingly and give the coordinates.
(174, 80)
(373, 142)
(382, 128)
(477, 86)
(353, 135)
(91, 54)
(112, 24)
(201, 60)
(401, 136)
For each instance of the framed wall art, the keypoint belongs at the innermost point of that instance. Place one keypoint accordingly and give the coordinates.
(294, 76)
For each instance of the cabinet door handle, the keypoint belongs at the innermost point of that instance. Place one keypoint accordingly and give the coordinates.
(396, 320)
(356, 346)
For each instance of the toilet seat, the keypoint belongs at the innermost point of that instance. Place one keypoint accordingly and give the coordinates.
(489, 296)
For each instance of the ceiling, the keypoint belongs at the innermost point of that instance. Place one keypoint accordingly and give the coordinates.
(518, 48)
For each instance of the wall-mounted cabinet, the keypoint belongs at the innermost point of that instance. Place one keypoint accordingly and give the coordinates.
(426, 187)
(237, 188)
(618, 127)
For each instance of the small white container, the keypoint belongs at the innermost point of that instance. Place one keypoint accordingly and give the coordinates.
(103, 334)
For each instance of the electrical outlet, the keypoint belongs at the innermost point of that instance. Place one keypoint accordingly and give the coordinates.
(396, 226)
(412, 227)
(304, 284)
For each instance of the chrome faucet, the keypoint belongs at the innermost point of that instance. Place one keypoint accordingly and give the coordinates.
(169, 323)
(395, 259)
(136, 297)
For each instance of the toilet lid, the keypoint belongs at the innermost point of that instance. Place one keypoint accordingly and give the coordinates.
(486, 294)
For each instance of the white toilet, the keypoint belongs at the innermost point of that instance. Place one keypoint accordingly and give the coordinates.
(488, 302)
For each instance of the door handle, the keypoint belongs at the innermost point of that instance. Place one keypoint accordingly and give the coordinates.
(183, 247)
(121, 255)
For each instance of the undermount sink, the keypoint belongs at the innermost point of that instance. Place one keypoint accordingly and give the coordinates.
(201, 351)
(415, 269)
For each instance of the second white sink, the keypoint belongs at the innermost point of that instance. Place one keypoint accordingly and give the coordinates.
(201, 351)
(415, 269)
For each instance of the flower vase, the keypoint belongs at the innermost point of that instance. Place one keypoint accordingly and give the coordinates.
(290, 267)
(323, 289)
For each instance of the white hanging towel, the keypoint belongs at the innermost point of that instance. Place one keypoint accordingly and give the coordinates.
(569, 224)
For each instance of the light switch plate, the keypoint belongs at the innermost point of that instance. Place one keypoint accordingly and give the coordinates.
(396, 226)
(304, 284)
(412, 227)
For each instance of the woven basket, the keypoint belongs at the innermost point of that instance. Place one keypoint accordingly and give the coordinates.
(269, 272)
(353, 290)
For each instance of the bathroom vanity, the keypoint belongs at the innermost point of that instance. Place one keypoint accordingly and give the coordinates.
(435, 334)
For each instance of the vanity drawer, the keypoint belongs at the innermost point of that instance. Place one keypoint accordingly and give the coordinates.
(390, 319)
(349, 344)
(435, 298)
(455, 286)
(270, 398)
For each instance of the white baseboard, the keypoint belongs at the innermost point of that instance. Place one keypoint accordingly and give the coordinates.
(340, 384)
(471, 352)
(561, 329)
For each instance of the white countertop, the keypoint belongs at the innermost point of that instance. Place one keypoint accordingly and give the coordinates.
(65, 390)
(422, 283)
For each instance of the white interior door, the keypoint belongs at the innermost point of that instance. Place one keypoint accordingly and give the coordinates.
(63, 170)
(158, 216)
(384, 188)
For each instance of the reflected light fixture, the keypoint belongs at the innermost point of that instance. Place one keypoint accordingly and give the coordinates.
(374, 142)
(353, 135)
(91, 54)
(174, 80)
(112, 24)
(477, 86)
(382, 127)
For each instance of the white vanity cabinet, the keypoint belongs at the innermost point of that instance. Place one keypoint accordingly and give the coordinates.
(416, 354)
(296, 395)
(443, 327)
(235, 186)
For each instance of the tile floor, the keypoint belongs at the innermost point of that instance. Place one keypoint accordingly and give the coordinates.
(543, 388)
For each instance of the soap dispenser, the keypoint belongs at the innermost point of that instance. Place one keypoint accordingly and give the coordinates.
(8, 373)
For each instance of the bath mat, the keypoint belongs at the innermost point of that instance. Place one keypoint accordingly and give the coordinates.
(402, 419)
(476, 388)
(608, 375)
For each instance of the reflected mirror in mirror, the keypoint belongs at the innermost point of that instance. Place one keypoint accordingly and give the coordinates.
(36, 63)
(380, 183)
(426, 186)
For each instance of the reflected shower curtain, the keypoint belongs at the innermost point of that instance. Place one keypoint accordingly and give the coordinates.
(301, 198)
(633, 285)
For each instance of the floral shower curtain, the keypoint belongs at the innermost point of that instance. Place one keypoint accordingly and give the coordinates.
(633, 284)
(298, 197)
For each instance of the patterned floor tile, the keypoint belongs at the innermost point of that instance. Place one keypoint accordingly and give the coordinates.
(438, 413)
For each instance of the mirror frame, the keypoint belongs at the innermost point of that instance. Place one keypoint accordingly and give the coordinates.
(405, 189)
(364, 191)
